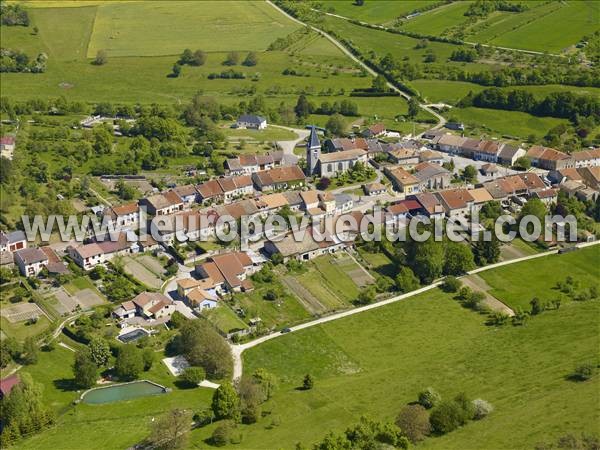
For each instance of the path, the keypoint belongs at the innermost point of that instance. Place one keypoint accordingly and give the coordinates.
(289, 146)
(238, 349)
(440, 118)
(476, 283)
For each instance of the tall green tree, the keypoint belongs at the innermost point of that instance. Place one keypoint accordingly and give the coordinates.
(129, 363)
(458, 259)
(302, 108)
(226, 403)
(85, 370)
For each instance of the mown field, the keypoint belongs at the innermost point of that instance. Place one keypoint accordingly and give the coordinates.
(376, 362)
(380, 12)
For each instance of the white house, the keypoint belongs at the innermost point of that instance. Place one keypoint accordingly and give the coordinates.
(30, 261)
(332, 164)
(10, 242)
(251, 121)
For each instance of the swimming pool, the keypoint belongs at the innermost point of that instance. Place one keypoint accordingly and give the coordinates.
(125, 391)
(133, 335)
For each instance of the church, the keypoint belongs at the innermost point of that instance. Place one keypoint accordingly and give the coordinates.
(330, 164)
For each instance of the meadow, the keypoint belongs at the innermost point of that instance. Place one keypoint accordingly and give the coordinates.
(379, 12)
(376, 362)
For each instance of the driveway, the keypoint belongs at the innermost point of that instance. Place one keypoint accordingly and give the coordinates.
(288, 146)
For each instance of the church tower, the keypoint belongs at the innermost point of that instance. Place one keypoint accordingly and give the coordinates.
(313, 152)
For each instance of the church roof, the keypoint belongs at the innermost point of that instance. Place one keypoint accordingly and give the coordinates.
(313, 139)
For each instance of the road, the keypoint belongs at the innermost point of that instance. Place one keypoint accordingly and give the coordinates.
(238, 349)
(289, 146)
(440, 118)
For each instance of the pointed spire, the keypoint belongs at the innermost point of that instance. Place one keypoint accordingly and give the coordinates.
(313, 140)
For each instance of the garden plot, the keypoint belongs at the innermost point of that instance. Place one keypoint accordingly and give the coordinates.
(358, 274)
(88, 298)
(141, 273)
(64, 302)
(152, 264)
(22, 312)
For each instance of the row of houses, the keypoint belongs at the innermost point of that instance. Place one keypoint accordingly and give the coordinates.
(248, 164)
(425, 176)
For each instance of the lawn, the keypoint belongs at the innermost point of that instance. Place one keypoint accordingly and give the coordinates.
(21, 330)
(379, 263)
(439, 20)
(506, 282)
(381, 11)
(497, 123)
(224, 319)
(376, 362)
(79, 284)
(271, 133)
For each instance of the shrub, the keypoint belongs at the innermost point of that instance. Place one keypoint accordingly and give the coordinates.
(446, 417)
(451, 284)
(192, 376)
(429, 398)
(222, 434)
(308, 382)
(413, 420)
(482, 408)
(583, 372)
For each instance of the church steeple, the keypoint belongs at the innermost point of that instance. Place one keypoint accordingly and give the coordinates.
(313, 151)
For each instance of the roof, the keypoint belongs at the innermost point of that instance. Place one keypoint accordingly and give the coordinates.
(8, 383)
(325, 196)
(342, 199)
(293, 197)
(123, 210)
(451, 140)
(403, 207)
(403, 153)
(585, 155)
(186, 191)
(532, 181)
(313, 138)
(309, 197)
(374, 187)
(210, 189)
(455, 198)
(427, 155)
(546, 153)
(427, 170)
(227, 267)
(489, 147)
(272, 201)
(145, 298)
(164, 200)
(401, 176)
(490, 168)
(12, 237)
(198, 295)
(508, 151)
(571, 173)
(430, 202)
(471, 144)
(7, 140)
(288, 246)
(31, 255)
(89, 250)
(279, 175)
(377, 128)
(512, 184)
(251, 118)
(481, 195)
(547, 193)
(344, 155)
(350, 144)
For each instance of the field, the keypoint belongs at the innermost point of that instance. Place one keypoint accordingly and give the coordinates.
(376, 362)
(381, 11)
(437, 21)
(244, 26)
(224, 319)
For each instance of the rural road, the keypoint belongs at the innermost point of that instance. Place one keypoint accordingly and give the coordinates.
(238, 349)
(288, 146)
(439, 117)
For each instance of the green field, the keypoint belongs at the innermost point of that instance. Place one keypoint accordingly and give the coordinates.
(498, 123)
(224, 319)
(376, 362)
(380, 11)
(437, 21)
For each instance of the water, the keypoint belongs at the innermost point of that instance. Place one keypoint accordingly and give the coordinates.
(133, 335)
(122, 392)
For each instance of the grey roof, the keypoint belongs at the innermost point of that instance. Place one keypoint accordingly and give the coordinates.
(313, 139)
(31, 255)
(293, 197)
(508, 151)
(13, 236)
(342, 199)
(251, 118)
(431, 170)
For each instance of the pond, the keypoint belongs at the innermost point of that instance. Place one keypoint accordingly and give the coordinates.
(125, 391)
(133, 335)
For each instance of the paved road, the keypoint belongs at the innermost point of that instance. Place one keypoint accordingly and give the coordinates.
(440, 118)
(288, 146)
(238, 349)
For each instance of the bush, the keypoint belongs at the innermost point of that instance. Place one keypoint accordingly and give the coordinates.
(583, 372)
(446, 417)
(429, 398)
(413, 420)
(192, 376)
(223, 434)
(451, 284)
(482, 408)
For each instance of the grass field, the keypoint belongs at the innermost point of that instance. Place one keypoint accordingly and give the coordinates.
(379, 263)
(381, 11)
(499, 123)
(376, 362)
(224, 319)
(582, 265)
(437, 21)
(20, 330)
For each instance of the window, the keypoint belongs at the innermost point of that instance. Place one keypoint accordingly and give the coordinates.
(340, 166)
(329, 167)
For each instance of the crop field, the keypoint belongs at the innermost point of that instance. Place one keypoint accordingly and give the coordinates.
(169, 27)
(380, 12)
(437, 21)
(376, 362)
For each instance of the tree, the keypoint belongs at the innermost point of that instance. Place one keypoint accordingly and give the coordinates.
(171, 430)
(186, 57)
(481, 408)
(101, 58)
(366, 296)
(491, 210)
(148, 358)
(223, 434)
(226, 403)
(85, 370)
(459, 259)
(99, 351)
(336, 125)
(267, 382)
(426, 260)
(487, 252)
(302, 108)
(536, 306)
(198, 59)
(233, 59)
(522, 163)
(323, 183)
(469, 174)
(446, 417)
(307, 382)
(451, 284)
(583, 372)
(379, 84)
(413, 420)
(176, 70)
(30, 350)
(129, 362)
(251, 59)
(251, 396)
(203, 346)
(103, 140)
(429, 398)
(536, 208)
(413, 108)
(406, 280)
(192, 376)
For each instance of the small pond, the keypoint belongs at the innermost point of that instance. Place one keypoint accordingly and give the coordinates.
(125, 391)
(133, 335)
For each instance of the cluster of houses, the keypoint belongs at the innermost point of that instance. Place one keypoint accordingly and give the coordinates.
(30, 260)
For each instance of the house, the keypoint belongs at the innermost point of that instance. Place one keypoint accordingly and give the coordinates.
(374, 189)
(228, 271)
(251, 121)
(457, 202)
(489, 170)
(591, 176)
(148, 305)
(7, 144)
(267, 204)
(431, 206)
(432, 134)
(454, 126)
(294, 199)
(549, 158)
(127, 215)
(248, 164)
(571, 187)
(30, 261)
(200, 294)
(225, 189)
(405, 157)
(532, 181)
(333, 164)
(343, 144)
(7, 384)
(469, 147)
(55, 265)
(509, 154)
(431, 156)
(562, 175)
(547, 196)
(403, 209)
(239, 209)
(450, 143)
(587, 195)
(480, 197)
(188, 194)
(88, 256)
(201, 299)
(193, 224)
(487, 151)
(432, 176)
(279, 178)
(375, 130)
(309, 245)
(402, 180)
(343, 203)
(12, 241)
(587, 158)
(318, 204)
(163, 204)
